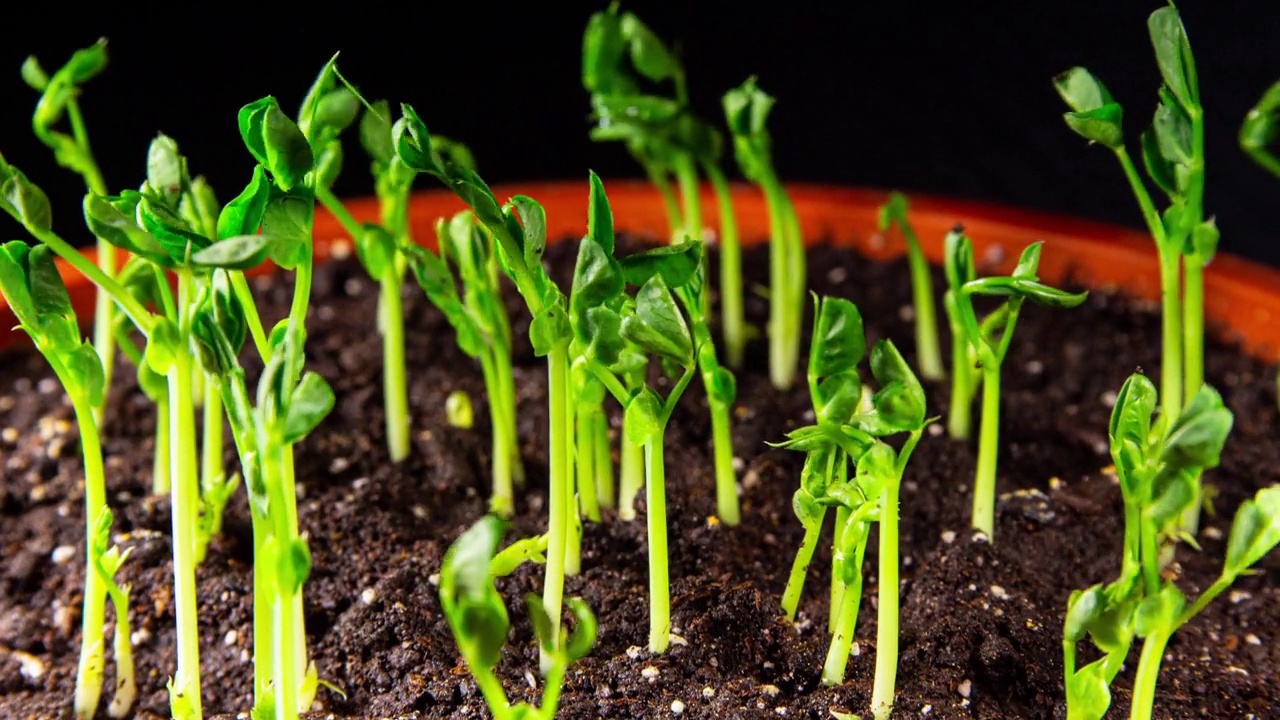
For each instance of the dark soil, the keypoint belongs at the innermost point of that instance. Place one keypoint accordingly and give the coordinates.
(981, 623)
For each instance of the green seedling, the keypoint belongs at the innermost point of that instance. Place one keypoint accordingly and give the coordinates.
(458, 411)
(379, 245)
(1173, 155)
(1258, 133)
(606, 323)
(620, 53)
(929, 352)
(988, 340)
(1158, 468)
(33, 288)
(850, 419)
(746, 109)
(519, 238)
(478, 618)
(59, 97)
(483, 331)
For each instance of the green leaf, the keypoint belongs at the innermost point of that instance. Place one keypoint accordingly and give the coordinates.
(893, 211)
(27, 202)
(1173, 54)
(375, 133)
(235, 253)
(475, 612)
(287, 221)
(294, 566)
(807, 509)
(900, 402)
(650, 56)
(1083, 609)
(309, 403)
(412, 143)
(34, 75)
(1159, 169)
(163, 345)
(838, 340)
(549, 328)
(1103, 125)
(166, 168)
(1173, 490)
(288, 153)
(377, 251)
(1029, 262)
(584, 633)
(108, 223)
(1255, 531)
(600, 328)
(1088, 692)
(678, 264)
(1261, 125)
(643, 417)
(958, 257)
(657, 325)
(747, 108)
(603, 47)
(172, 232)
(1204, 240)
(543, 630)
(14, 256)
(533, 223)
(600, 215)
(86, 63)
(1081, 90)
(1131, 420)
(84, 365)
(200, 205)
(1197, 437)
(243, 215)
(335, 112)
(1158, 614)
(251, 120)
(1172, 129)
(721, 385)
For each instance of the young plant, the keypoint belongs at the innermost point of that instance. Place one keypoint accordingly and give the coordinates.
(378, 245)
(1158, 468)
(667, 139)
(31, 285)
(1173, 154)
(1258, 133)
(605, 322)
(59, 97)
(480, 323)
(929, 353)
(989, 340)
(746, 109)
(519, 237)
(850, 419)
(478, 618)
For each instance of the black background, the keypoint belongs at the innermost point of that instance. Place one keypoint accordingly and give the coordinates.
(946, 98)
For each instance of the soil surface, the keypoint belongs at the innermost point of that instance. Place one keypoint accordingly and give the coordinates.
(981, 622)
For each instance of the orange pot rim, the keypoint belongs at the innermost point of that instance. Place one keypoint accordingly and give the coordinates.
(1242, 298)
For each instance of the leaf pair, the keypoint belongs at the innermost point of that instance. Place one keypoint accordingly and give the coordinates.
(612, 38)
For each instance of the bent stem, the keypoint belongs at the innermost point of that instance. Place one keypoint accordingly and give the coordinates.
(984, 483)
(846, 619)
(800, 567)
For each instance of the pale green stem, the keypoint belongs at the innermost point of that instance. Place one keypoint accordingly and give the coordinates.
(212, 473)
(1144, 683)
(89, 674)
(732, 322)
(559, 499)
(837, 585)
(502, 502)
(928, 352)
(631, 472)
(184, 489)
(395, 387)
(658, 176)
(586, 455)
(573, 539)
(659, 582)
(1171, 381)
(846, 614)
(1193, 370)
(800, 567)
(160, 473)
(505, 393)
(960, 417)
(887, 607)
(726, 479)
(604, 459)
(984, 483)
(784, 337)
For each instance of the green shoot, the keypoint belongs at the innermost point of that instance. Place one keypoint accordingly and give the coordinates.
(1173, 155)
(1159, 470)
(850, 419)
(478, 618)
(989, 339)
(747, 109)
(35, 292)
(59, 96)
(1260, 130)
(458, 411)
(895, 212)
(666, 138)
(519, 240)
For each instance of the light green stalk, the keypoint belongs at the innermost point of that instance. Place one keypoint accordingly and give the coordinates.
(732, 322)
(928, 351)
(560, 496)
(800, 567)
(984, 483)
(659, 580)
(89, 674)
(604, 459)
(845, 617)
(632, 475)
(786, 283)
(1144, 683)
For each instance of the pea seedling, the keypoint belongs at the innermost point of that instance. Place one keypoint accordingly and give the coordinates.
(59, 97)
(30, 283)
(1158, 468)
(850, 419)
(478, 618)
(989, 340)
(1260, 130)
(1173, 154)
(746, 109)
(895, 212)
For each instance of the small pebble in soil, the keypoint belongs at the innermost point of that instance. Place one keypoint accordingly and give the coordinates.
(1034, 367)
(964, 688)
(434, 579)
(1212, 533)
(62, 554)
(7, 402)
(368, 596)
(708, 692)
(230, 638)
(999, 593)
(649, 673)
(677, 707)
(948, 536)
(9, 435)
(1109, 398)
(1252, 639)
(906, 313)
(935, 430)
(634, 652)
(1239, 596)
(926, 709)
(855, 650)
(739, 464)
(140, 637)
(770, 690)
(837, 275)
(47, 386)
(32, 667)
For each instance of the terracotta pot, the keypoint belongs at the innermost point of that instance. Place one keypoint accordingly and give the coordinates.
(1242, 299)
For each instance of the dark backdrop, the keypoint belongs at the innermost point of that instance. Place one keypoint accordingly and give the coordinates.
(952, 98)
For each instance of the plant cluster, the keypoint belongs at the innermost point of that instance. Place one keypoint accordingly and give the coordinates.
(631, 331)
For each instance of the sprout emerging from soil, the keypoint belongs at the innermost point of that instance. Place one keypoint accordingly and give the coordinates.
(746, 110)
(478, 618)
(1158, 468)
(928, 351)
(30, 282)
(59, 97)
(666, 138)
(988, 340)
(850, 420)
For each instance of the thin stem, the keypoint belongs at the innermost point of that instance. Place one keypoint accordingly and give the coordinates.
(212, 473)
(586, 456)
(726, 479)
(394, 385)
(631, 472)
(960, 416)
(838, 588)
(1218, 587)
(659, 582)
(604, 459)
(502, 502)
(240, 286)
(928, 352)
(732, 322)
(185, 496)
(658, 176)
(504, 392)
(1150, 557)
(126, 683)
(89, 673)
(558, 501)
(846, 625)
(690, 202)
(1144, 683)
(984, 484)
(800, 567)
(781, 367)
(887, 609)
(160, 473)
(1171, 381)
(134, 309)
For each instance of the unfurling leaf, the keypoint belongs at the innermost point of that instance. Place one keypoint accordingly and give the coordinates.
(643, 421)
(1255, 531)
(600, 215)
(657, 325)
(1081, 90)
(475, 611)
(243, 215)
(234, 253)
(584, 634)
(678, 264)
(1158, 614)
(1089, 692)
(1173, 54)
(1197, 436)
(309, 403)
